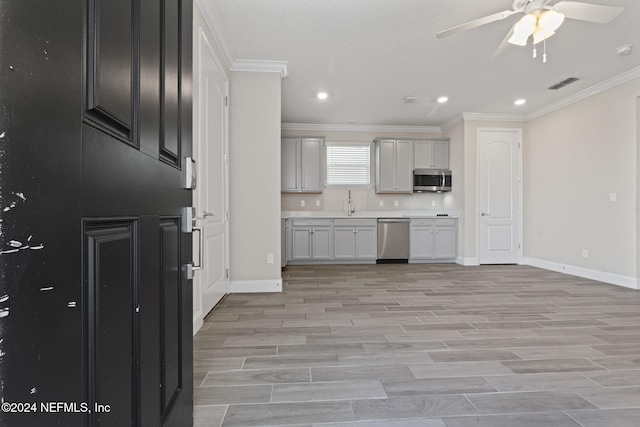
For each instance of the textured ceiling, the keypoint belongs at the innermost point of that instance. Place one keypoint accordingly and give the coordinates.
(369, 54)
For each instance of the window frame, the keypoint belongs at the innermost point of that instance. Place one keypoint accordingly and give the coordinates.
(351, 144)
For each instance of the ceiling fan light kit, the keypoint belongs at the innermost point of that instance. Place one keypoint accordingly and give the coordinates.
(541, 20)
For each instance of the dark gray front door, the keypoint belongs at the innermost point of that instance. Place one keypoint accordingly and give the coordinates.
(95, 121)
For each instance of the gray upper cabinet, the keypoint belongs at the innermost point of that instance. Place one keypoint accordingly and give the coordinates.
(394, 166)
(431, 154)
(301, 165)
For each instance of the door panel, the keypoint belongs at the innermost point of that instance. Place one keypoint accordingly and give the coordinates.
(366, 239)
(404, 166)
(110, 87)
(344, 245)
(112, 328)
(171, 313)
(170, 143)
(499, 196)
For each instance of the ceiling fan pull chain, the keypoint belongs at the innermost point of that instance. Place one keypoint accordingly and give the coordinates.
(535, 54)
(544, 55)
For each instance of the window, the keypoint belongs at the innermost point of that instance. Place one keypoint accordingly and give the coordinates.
(348, 164)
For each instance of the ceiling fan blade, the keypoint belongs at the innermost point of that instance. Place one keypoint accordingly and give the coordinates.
(504, 45)
(587, 11)
(476, 23)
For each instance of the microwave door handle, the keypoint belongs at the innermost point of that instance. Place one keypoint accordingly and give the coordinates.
(442, 172)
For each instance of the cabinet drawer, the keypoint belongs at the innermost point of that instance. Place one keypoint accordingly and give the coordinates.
(315, 222)
(360, 222)
(421, 221)
(446, 221)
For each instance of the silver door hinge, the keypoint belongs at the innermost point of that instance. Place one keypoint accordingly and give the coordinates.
(226, 158)
(226, 273)
(226, 215)
(518, 245)
(226, 101)
(518, 145)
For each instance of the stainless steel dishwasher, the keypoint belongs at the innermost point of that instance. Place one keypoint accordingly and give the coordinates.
(393, 240)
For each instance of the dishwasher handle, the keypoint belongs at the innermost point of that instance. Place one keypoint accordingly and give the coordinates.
(392, 220)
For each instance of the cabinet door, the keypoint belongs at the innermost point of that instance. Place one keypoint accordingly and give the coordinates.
(321, 243)
(404, 167)
(344, 242)
(289, 164)
(311, 168)
(301, 243)
(440, 157)
(421, 242)
(385, 173)
(366, 243)
(422, 154)
(445, 242)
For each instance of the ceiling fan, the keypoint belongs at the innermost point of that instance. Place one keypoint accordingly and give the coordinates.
(541, 20)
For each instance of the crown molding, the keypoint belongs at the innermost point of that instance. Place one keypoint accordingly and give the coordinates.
(256, 65)
(311, 127)
(495, 117)
(459, 118)
(210, 14)
(586, 93)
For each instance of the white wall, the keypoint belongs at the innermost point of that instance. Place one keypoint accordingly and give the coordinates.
(573, 159)
(254, 168)
(364, 199)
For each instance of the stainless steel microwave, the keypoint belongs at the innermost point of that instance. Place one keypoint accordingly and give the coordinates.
(431, 180)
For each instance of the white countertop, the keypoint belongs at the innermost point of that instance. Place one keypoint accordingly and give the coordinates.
(368, 214)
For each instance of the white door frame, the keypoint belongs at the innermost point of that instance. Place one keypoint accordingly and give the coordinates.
(520, 186)
(202, 41)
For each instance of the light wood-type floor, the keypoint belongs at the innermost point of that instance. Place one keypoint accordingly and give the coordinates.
(422, 345)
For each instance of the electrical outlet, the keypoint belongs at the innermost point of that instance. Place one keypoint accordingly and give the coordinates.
(317, 202)
(585, 253)
(381, 203)
(302, 203)
(396, 203)
(269, 258)
(433, 203)
(613, 197)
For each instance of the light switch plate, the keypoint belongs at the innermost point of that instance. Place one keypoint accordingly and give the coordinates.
(317, 202)
(381, 203)
(613, 197)
(396, 203)
(302, 203)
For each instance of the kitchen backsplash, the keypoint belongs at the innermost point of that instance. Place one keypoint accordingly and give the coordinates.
(365, 199)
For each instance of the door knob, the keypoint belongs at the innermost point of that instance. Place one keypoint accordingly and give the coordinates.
(485, 214)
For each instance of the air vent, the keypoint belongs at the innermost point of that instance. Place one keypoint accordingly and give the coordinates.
(564, 83)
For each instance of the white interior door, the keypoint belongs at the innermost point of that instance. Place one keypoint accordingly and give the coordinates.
(211, 195)
(499, 220)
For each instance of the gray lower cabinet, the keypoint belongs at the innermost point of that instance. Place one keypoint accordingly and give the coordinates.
(311, 240)
(433, 239)
(355, 239)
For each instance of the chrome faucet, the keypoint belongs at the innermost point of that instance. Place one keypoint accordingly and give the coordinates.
(350, 209)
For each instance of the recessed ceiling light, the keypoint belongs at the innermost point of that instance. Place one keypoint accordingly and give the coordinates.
(520, 101)
(323, 95)
(443, 99)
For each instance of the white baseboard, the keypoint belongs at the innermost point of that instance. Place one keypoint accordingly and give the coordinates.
(198, 321)
(601, 276)
(255, 286)
(467, 261)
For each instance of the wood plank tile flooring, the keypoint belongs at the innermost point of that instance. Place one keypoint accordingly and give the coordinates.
(422, 345)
